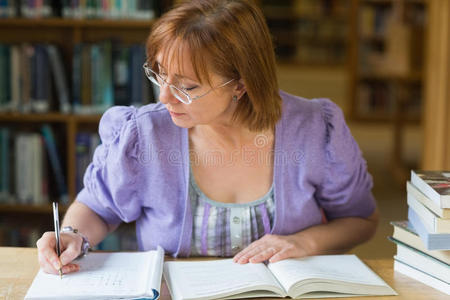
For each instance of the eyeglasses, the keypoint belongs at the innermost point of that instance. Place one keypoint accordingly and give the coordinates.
(180, 93)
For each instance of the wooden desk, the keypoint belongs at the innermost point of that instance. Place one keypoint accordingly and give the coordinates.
(18, 266)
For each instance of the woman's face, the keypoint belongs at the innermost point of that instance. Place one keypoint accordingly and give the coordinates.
(216, 107)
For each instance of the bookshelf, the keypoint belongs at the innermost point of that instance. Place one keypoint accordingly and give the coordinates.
(311, 33)
(387, 69)
(22, 223)
(387, 60)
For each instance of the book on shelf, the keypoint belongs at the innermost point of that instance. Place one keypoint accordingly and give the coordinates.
(26, 73)
(31, 184)
(405, 233)
(433, 184)
(432, 241)
(423, 262)
(443, 213)
(121, 275)
(85, 143)
(310, 277)
(59, 77)
(106, 74)
(14, 233)
(423, 277)
(55, 162)
(130, 9)
(5, 190)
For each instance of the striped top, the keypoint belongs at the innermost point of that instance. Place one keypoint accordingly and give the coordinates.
(224, 229)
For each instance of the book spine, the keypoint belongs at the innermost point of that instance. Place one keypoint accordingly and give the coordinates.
(76, 77)
(15, 78)
(4, 165)
(82, 158)
(59, 77)
(55, 163)
(37, 169)
(3, 78)
(107, 87)
(121, 76)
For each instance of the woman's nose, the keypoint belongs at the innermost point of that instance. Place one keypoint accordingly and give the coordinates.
(165, 94)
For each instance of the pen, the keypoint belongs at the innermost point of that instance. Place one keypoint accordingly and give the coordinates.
(56, 223)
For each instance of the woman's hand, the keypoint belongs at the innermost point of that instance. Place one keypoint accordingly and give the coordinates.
(273, 248)
(70, 249)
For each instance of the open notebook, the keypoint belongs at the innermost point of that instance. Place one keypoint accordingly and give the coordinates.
(105, 276)
(311, 277)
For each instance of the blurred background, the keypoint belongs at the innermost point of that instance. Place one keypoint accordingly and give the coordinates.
(62, 63)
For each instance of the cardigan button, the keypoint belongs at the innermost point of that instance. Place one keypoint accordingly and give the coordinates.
(236, 220)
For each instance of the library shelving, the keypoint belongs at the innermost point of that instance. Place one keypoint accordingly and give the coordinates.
(387, 58)
(65, 34)
(387, 68)
(309, 32)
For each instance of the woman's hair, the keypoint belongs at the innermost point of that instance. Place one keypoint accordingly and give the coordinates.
(229, 38)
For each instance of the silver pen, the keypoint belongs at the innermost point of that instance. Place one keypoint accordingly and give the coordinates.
(56, 223)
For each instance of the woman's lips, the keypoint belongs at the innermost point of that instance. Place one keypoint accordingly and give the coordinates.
(174, 114)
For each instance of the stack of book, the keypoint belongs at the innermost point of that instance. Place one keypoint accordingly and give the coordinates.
(423, 242)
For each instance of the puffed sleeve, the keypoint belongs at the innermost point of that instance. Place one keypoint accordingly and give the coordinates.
(111, 179)
(346, 185)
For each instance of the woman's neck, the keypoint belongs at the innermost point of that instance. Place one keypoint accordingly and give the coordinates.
(227, 136)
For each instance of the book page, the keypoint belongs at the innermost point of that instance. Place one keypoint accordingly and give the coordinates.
(101, 274)
(345, 268)
(203, 279)
(155, 271)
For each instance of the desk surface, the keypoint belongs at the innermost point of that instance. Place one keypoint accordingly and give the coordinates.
(18, 266)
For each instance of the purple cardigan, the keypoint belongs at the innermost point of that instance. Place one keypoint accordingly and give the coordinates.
(140, 172)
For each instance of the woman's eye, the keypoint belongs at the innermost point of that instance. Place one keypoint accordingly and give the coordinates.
(189, 88)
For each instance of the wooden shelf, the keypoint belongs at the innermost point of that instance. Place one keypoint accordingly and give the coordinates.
(409, 77)
(48, 117)
(29, 209)
(382, 117)
(34, 117)
(87, 118)
(76, 23)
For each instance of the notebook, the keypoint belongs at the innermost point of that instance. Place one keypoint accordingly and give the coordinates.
(104, 275)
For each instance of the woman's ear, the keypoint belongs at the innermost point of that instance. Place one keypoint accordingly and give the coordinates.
(240, 90)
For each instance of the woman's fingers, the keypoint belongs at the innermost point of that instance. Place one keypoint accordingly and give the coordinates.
(263, 255)
(46, 249)
(71, 247)
(49, 260)
(46, 265)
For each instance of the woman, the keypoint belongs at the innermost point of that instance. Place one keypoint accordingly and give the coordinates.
(225, 164)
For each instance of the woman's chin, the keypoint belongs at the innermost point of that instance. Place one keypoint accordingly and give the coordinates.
(182, 123)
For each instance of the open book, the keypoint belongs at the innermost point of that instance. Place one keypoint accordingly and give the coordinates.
(104, 276)
(310, 277)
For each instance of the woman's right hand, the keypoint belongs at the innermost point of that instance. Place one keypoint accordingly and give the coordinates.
(70, 249)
